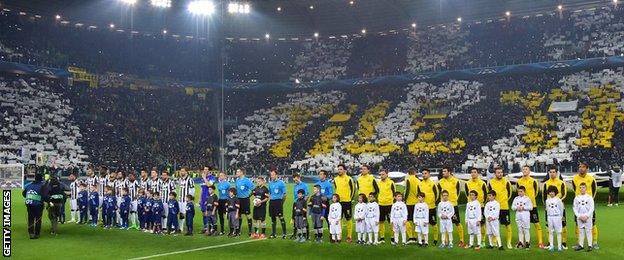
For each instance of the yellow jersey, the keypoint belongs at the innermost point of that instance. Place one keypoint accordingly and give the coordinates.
(480, 187)
(344, 187)
(531, 187)
(589, 181)
(559, 184)
(502, 188)
(367, 184)
(386, 192)
(451, 185)
(411, 190)
(430, 189)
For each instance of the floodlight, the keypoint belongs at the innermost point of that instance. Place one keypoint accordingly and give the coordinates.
(161, 3)
(459, 19)
(508, 13)
(112, 25)
(316, 35)
(58, 17)
(413, 25)
(267, 36)
(129, 2)
(201, 7)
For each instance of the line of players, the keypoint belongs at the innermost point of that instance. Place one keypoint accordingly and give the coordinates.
(219, 200)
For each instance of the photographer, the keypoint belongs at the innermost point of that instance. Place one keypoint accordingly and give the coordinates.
(55, 201)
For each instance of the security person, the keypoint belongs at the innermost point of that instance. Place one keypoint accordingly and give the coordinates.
(33, 195)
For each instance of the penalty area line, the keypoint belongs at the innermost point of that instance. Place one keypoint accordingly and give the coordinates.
(196, 249)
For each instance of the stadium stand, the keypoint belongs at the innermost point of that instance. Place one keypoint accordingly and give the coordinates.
(37, 123)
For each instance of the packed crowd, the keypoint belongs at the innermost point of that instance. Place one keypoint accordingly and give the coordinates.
(546, 36)
(130, 129)
(37, 124)
(502, 120)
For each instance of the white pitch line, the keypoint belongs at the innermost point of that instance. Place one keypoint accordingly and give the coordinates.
(196, 249)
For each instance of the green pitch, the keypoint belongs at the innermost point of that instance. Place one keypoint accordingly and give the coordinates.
(84, 242)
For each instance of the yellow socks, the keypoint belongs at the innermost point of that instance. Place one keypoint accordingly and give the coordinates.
(564, 234)
(595, 234)
(382, 230)
(509, 234)
(460, 232)
(436, 232)
(538, 231)
(483, 236)
(410, 230)
(349, 228)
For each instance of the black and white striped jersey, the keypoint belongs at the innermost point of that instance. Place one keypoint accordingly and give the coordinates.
(119, 185)
(102, 183)
(165, 188)
(133, 189)
(187, 186)
(74, 187)
(153, 185)
(92, 181)
(143, 184)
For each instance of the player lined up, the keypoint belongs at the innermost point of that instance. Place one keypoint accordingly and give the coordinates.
(426, 204)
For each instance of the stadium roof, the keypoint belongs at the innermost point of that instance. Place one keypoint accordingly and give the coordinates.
(295, 18)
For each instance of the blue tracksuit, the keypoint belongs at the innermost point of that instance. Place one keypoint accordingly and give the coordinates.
(148, 213)
(124, 210)
(110, 202)
(94, 203)
(141, 211)
(157, 211)
(172, 216)
(83, 205)
(190, 214)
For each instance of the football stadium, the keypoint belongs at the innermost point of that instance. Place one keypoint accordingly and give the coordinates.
(312, 129)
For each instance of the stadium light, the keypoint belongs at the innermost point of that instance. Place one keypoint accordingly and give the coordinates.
(459, 19)
(363, 31)
(351, 2)
(58, 17)
(508, 13)
(129, 2)
(267, 36)
(559, 7)
(201, 7)
(165, 31)
(161, 3)
(112, 25)
(279, 8)
(413, 25)
(238, 8)
(316, 35)
(311, 7)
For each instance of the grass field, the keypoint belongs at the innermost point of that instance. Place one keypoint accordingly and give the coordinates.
(83, 242)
